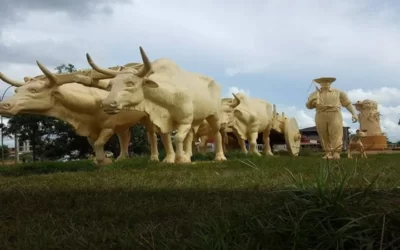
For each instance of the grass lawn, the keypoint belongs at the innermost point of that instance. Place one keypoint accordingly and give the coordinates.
(278, 202)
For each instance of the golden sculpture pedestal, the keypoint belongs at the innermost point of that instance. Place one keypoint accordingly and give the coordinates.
(374, 142)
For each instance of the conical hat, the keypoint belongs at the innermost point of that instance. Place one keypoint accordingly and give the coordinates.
(325, 80)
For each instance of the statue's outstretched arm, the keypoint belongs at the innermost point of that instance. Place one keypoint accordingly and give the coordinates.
(345, 101)
(351, 109)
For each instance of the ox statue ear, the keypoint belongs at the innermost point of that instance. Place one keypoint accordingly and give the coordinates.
(149, 83)
(57, 94)
(27, 79)
(237, 113)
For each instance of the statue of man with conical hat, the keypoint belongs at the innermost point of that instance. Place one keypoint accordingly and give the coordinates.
(327, 102)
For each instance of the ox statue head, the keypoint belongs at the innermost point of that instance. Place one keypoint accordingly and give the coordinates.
(128, 85)
(226, 112)
(32, 95)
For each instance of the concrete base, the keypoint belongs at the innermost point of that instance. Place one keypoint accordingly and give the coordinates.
(385, 151)
(375, 142)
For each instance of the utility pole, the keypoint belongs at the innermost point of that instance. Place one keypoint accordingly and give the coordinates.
(16, 142)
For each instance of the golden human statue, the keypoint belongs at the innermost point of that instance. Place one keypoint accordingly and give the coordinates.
(327, 102)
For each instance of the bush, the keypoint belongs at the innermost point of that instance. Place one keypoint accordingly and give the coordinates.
(47, 167)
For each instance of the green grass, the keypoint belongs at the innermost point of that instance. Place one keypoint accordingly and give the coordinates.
(276, 202)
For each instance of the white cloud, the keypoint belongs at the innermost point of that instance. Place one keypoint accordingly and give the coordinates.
(382, 95)
(304, 118)
(246, 69)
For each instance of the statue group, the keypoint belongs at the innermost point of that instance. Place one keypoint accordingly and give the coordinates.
(327, 102)
(165, 98)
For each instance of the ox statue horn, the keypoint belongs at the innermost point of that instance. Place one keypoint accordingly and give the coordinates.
(11, 82)
(52, 78)
(146, 68)
(233, 105)
(105, 71)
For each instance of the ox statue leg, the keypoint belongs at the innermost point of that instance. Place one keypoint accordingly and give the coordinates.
(349, 153)
(151, 138)
(363, 152)
(267, 145)
(182, 132)
(98, 146)
(225, 141)
(124, 138)
(169, 150)
(203, 144)
(187, 144)
(214, 123)
(253, 144)
(91, 142)
(242, 145)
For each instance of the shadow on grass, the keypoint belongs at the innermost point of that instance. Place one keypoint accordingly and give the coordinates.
(197, 219)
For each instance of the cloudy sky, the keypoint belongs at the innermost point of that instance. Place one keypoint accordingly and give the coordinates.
(270, 49)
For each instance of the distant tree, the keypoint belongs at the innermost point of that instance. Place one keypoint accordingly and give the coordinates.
(139, 143)
(5, 151)
(30, 127)
(65, 69)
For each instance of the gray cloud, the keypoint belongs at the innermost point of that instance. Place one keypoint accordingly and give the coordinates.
(15, 10)
(48, 51)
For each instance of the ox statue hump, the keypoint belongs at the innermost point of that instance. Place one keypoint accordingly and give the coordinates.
(61, 97)
(172, 97)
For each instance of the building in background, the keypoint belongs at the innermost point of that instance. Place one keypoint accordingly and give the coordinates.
(24, 147)
(310, 138)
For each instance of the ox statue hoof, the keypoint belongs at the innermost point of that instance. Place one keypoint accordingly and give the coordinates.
(121, 158)
(182, 159)
(220, 157)
(269, 153)
(154, 158)
(104, 162)
(255, 153)
(169, 159)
